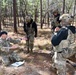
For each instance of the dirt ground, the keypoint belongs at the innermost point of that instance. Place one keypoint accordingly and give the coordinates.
(37, 63)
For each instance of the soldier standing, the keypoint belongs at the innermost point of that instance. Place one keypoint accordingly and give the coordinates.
(55, 22)
(6, 49)
(64, 45)
(30, 28)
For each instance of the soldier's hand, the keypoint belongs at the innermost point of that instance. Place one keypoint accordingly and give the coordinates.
(14, 47)
(57, 29)
(23, 38)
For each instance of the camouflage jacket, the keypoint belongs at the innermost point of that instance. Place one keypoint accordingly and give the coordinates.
(64, 38)
(30, 28)
(55, 22)
(6, 44)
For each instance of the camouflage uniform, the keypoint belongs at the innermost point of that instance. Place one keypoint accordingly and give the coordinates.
(31, 31)
(64, 48)
(8, 55)
(55, 22)
(30, 38)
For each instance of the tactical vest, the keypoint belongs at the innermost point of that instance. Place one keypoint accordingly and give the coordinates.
(30, 30)
(66, 46)
(55, 22)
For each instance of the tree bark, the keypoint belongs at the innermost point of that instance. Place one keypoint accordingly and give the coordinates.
(63, 6)
(14, 13)
(74, 8)
(0, 25)
(41, 14)
(35, 14)
(48, 13)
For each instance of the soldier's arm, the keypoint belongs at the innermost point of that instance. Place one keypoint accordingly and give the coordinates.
(15, 41)
(59, 36)
(72, 28)
(72, 45)
(35, 27)
(58, 18)
(1, 46)
(24, 27)
(14, 47)
(7, 49)
(3, 49)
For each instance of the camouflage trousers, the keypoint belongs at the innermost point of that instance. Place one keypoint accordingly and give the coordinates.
(30, 42)
(7, 59)
(59, 63)
(59, 58)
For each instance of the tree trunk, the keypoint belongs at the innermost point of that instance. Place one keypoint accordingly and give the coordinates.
(0, 25)
(63, 6)
(11, 15)
(74, 8)
(74, 16)
(35, 14)
(14, 13)
(41, 14)
(48, 13)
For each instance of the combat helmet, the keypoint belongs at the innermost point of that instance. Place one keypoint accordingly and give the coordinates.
(66, 18)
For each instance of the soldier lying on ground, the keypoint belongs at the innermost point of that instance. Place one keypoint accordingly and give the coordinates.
(7, 50)
(63, 43)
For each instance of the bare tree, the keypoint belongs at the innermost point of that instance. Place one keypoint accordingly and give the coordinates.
(41, 14)
(0, 25)
(74, 8)
(35, 13)
(0, 19)
(63, 6)
(14, 12)
(48, 13)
